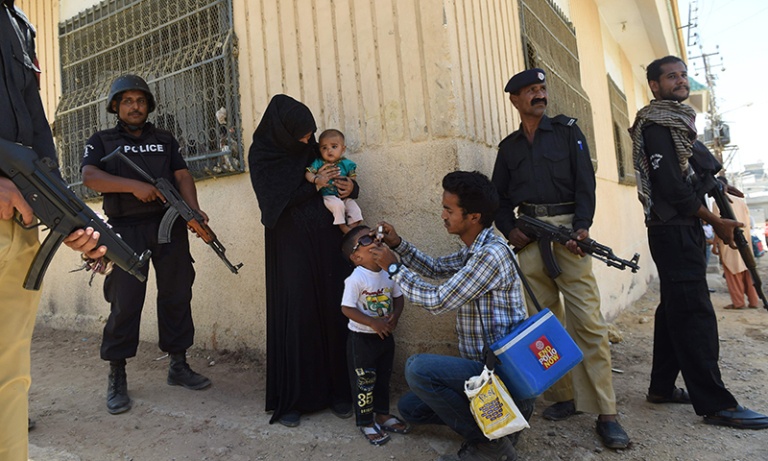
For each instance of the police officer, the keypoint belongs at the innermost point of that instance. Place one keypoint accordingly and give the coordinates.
(23, 122)
(135, 208)
(674, 176)
(544, 170)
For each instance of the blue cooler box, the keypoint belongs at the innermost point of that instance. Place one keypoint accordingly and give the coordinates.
(535, 355)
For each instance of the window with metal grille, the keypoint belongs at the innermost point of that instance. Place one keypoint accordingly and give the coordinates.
(550, 44)
(621, 138)
(186, 51)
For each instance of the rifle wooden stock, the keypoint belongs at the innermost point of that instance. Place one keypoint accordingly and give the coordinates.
(744, 246)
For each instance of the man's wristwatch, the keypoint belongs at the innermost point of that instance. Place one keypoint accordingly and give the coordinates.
(393, 269)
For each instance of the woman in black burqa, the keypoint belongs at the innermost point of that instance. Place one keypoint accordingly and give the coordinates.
(306, 331)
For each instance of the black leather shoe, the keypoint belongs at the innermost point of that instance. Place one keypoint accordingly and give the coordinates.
(612, 434)
(679, 395)
(741, 418)
(117, 389)
(559, 411)
(179, 374)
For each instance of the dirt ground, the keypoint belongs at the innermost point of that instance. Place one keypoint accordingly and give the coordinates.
(227, 421)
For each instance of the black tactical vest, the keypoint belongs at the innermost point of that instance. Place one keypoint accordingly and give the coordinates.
(152, 153)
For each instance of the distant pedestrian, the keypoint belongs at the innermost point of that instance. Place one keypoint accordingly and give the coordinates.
(737, 275)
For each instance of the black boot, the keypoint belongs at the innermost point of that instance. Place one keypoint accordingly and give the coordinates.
(179, 374)
(117, 388)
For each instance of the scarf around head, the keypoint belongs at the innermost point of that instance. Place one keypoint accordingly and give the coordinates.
(681, 121)
(277, 159)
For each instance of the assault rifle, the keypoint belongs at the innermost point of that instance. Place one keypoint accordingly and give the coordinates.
(59, 209)
(177, 207)
(547, 233)
(744, 247)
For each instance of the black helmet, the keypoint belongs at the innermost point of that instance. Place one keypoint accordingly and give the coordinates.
(129, 82)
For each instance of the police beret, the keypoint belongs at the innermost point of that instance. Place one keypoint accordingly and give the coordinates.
(523, 79)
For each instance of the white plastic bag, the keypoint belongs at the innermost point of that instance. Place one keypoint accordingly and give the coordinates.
(493, 408)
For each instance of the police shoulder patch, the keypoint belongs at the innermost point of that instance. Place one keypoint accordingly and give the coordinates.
(564, 120)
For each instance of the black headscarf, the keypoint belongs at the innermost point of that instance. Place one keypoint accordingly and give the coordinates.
(277, 159)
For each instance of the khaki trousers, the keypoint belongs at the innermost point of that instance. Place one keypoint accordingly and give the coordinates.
(590, 383)
(18, 308)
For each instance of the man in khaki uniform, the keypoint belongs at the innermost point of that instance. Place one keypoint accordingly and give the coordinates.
(23, 122)
(544, 170)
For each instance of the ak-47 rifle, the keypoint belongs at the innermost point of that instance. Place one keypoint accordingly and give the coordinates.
(547, 233)
(744, 247)
(177, 207)
(59, 209)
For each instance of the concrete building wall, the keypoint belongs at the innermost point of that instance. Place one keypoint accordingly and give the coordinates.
(44, 15)
(417, 87)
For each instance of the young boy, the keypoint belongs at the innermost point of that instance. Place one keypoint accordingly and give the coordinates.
(346, 213)
(373, 303)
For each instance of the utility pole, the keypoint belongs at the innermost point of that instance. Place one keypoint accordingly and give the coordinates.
(719, 131)
(716, 127)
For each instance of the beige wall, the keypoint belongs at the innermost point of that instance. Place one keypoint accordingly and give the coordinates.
(618, 217)
(44, 15)
(417, 87)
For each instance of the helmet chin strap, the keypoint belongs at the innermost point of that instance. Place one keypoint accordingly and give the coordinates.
(130, 127)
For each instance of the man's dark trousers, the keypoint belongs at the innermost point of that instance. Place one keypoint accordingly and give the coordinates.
(174, 273)
(685, 335)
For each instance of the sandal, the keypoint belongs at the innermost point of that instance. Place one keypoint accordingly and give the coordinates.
(391, 425)
(732, 307)
(679, 395)
(374, 435)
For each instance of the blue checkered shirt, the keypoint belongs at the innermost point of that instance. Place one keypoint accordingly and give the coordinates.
(479, 276)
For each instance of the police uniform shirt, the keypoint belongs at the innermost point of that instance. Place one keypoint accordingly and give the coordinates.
(21, 110)
(155, 151)
(557, 168)
(676, 198)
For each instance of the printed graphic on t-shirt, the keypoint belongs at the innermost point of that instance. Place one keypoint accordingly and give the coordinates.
(378, 302)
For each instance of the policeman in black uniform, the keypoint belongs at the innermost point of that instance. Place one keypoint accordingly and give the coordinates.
(545, 171)
(676, 172)
(135, 208)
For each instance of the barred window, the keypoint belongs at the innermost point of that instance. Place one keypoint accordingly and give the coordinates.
(186, 51)
(550, 44)
(621, 138)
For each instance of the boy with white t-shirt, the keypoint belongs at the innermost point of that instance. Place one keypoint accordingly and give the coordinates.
(373, 303)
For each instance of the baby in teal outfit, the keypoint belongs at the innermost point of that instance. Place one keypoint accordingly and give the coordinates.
(346, 213)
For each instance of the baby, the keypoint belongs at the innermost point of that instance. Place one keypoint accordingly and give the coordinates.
(346, 213)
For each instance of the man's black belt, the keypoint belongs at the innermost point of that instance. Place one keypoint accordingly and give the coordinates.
(540, 210)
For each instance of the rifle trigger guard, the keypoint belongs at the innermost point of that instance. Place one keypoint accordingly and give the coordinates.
(17, 218)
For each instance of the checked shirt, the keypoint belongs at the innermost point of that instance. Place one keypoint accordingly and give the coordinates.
(479, 276)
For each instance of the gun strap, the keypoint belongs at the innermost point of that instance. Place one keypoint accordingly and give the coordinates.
(489, 358)
(525, 284)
